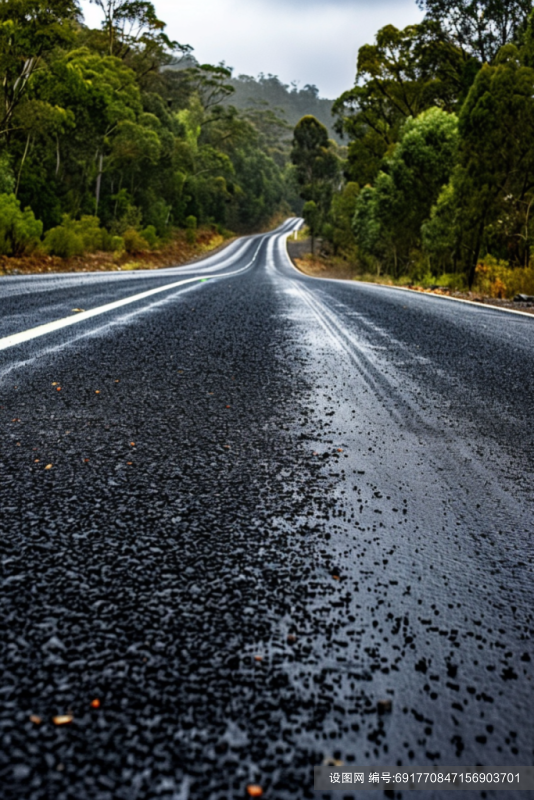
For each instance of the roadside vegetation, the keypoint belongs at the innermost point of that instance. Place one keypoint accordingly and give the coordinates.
(437, 185)
(117, 141)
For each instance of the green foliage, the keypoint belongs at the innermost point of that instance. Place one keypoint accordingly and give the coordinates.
(317, 165)
(150, 236)
(481, 26)
(97, 126)
(134, 242)
(388, 217)
(19, 230)
(282, 104)
(76, 237)
(191, 229)
(312, 218)
(7, 179)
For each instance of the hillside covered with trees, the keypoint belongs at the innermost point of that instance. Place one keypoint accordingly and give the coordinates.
(102, 147)
(439, 179)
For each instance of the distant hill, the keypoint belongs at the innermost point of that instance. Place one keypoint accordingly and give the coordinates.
(291, 102)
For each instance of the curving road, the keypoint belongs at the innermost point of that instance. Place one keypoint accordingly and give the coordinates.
(242, 513)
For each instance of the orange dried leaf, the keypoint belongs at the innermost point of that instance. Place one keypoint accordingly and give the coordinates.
(339, 449)
(95, 703)
(97, 391)
(132, 444)
(49, 466)
(254, 790)
(335, 577)
(35, 719)
(58, 389)
(258, 658)
(62, 719)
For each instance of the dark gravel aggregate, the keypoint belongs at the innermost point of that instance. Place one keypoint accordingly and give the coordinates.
(285, 521)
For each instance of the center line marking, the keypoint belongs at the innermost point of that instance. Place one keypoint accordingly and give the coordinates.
(58, 324)
(49, 327)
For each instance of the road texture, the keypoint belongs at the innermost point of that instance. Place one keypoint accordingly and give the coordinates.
(258, 521)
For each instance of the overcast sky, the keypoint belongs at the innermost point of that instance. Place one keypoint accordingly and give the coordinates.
(308, 41)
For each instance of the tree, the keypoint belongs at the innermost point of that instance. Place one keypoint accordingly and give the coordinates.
(479, 27)
(317, 166)
(29, 30)
(494, 180)
(389, 216)
(312, 218)
(404, 73)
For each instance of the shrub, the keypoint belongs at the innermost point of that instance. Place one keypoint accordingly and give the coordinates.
(191, 229)
(150, 235)
(76, 237)
(497, 279)
(20, 232)
(134, 242)
(7, 179)
(63, 241)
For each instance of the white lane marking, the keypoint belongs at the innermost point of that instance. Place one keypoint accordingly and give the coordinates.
(354, 284)
(49, 327)
(65, 322)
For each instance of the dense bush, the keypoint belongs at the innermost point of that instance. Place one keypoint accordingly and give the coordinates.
(19, 230)
(76, 237)
(134, 242)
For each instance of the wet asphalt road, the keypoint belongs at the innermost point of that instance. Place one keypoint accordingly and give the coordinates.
(242, 513)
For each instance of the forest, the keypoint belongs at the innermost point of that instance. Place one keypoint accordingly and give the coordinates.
(111, 139)
(115, 139)
(438, 179)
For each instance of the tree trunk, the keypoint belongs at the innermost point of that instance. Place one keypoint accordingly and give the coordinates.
(22, 164)
(98, 182)
(474, 256)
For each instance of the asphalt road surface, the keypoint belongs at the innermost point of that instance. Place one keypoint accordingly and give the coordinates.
(255, 521)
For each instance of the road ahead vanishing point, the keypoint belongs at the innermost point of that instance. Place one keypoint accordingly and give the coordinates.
(251, 521)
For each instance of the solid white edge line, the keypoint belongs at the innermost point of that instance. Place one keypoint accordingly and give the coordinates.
(484, 306)
(65, 322)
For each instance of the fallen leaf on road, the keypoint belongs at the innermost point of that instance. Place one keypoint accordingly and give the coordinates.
(55, 383)
(254, 790)
(36, 461)
(132, 444)
(291, 639)
(86, 460)
(62, 719)
(339, 449)
(97, 391)
(258, 658)
(35, 719)
(95, 703)
(77, 310)
(58, 389)
(228, 406)
(383, 706)
(49, 466)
